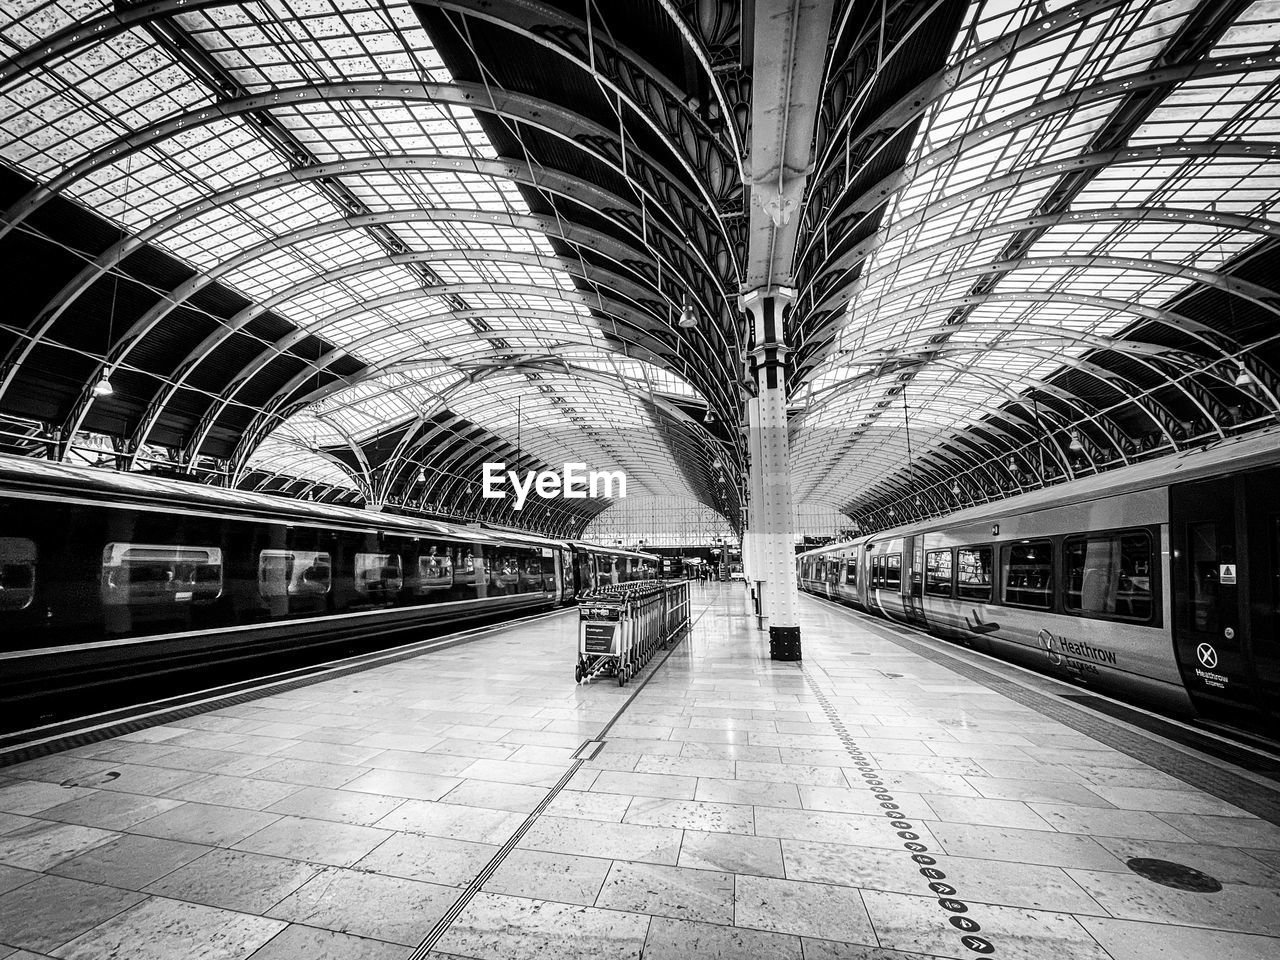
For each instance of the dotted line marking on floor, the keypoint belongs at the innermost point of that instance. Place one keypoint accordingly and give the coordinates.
(1259, 799)
(948, 896)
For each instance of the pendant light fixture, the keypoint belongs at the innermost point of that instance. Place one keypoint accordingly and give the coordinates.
(103, 387)
(688, 316)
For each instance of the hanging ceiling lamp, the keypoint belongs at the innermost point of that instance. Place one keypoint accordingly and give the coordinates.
(955, 489)
(103, 387)
(1243, 377)
(1076, 445)
(688, 316)
(710, 417)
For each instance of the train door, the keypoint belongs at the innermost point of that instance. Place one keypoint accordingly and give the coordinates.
(1262, 599)
(1209, 570)
(913, 580)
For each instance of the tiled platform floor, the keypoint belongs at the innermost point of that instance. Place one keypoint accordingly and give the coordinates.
(726, 817)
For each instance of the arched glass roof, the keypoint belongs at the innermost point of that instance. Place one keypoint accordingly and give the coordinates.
(1061, 187)
(371, 244)
(319, 160)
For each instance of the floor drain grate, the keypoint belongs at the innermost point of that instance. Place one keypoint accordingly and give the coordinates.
(1176, 875)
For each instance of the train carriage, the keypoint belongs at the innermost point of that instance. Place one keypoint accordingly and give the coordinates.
(1157, 582)
(106, 576)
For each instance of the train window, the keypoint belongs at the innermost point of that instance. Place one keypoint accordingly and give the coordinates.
(851, 571)
(877, 573)
(475, 570)
(378, 574)
(893, 571)
(973, 573)
(505, 572)
(434, 570)
(143, 573)
(17, 573)
(1028, 573)
(937, 573)
(1109, 576)
(294, 573)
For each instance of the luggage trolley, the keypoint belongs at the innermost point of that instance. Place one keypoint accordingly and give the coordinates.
(603, 638)
(621, 625)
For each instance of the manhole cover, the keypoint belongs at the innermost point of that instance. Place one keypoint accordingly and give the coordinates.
(1176, 875)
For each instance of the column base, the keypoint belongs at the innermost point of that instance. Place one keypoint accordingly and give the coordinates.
(784, 643)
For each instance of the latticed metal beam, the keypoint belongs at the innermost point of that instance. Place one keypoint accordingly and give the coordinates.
(1076, 99)
(914, 104)
(253, 436)
(839, 295)
(569, 187)
(629, 319)
(628, 76)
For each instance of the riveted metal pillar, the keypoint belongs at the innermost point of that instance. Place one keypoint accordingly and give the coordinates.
(771, 515)
(752, 565)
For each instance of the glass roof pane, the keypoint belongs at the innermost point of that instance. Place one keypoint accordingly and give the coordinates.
(947, 226)
(372, 289)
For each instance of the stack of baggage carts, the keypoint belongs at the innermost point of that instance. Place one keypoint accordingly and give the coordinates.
(621, 625)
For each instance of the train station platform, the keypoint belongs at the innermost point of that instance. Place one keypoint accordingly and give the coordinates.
(890, 798)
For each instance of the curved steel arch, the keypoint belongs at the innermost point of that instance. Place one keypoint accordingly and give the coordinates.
(223, 332)
(1259, 225)
(281, 394)
(1042, 335)
(454, 94)
(599, 243)
(248, 314)
(71, 38)
(574, 129)
(677, 100)
(250, 440)
(1086, 413)
(263, 359)
(604, 244)
(881, 193)
(916, 102)
(1201, 333)
(887, 487)
(1136, 395)
(401, 457)
(1256, 294)
(514, 106)
(1259, 150)
(451, 464)
(1123, 85)
(564, 185)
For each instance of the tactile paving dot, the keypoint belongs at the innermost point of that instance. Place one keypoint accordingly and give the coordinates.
(1176, 875)
(948, 899)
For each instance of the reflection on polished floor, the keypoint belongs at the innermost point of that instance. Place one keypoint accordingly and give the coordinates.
(871, 804)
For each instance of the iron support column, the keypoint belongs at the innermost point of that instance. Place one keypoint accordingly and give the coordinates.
(754, 568)
(771, 517)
